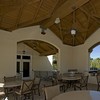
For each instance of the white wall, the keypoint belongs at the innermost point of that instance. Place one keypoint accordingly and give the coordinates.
(7, 55)
(69, 57)
(38, 62)
(81, 55)
(8, 51)
(34, 33)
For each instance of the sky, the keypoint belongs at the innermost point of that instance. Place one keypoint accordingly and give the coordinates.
(96, 52)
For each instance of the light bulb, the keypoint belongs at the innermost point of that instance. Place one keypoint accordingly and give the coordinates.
(73, 31)
(57, 20)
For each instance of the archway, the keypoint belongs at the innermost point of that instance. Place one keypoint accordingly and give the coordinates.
(94, 55)
(39, 50)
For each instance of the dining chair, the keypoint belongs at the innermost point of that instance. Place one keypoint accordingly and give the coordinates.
(82, 82)
(51, 91)
(2, 94)
(7, 80)
(62, 84)
(98, 81)
(25, 91)
(36, 85)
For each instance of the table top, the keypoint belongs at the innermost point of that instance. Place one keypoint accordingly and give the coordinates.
(71, 78)
(79, 95)
(10, 84)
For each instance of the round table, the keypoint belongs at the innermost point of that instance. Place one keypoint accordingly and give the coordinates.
(71, 78)
(12, 84)
(79, 95)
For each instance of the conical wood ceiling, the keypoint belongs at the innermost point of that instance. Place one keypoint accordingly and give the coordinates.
(16, 14)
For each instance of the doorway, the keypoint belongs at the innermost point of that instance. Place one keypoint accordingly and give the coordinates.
(24, 66)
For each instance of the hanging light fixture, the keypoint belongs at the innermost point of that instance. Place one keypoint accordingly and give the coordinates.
(73, 31)
(57, 20)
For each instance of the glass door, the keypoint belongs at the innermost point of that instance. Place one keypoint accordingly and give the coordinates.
(24, 66)
(26, 69)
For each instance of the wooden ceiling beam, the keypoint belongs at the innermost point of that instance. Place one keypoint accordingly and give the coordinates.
(64, 10)
(48, 53)
(80, 25)
(37, 11)
(93, 7)
(89, 15)
(18, 18)
(85, 34)
(20, 14)
(16, 3)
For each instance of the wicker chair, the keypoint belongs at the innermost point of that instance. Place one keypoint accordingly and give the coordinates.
(36, 86)
(82, 83)
(25, 91)
(2, 94)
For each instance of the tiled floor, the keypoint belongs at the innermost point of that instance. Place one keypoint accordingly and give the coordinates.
(41, 97)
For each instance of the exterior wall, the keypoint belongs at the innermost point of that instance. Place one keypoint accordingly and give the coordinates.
(81, 55)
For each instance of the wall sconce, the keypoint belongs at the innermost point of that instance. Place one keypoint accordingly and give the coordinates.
(43, 30)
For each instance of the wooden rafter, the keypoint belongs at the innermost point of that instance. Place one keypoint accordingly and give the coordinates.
(6, 3)
(48, 52)
(18, 17)
(85, 34)
(61, 12)
(89, 15)
(93, 7)
(37, 11)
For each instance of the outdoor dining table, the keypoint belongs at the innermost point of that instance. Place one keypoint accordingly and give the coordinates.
(71, 78)
(79, 95)
(10, 84)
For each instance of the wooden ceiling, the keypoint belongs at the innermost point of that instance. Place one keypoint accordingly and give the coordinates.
(43, 48)
(82, 15)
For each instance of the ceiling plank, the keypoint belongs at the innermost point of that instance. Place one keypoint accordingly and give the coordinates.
(89, 15)
(64, 10)
(37, 11)
(48, 53)
(85, 34)
(5, 3)
(18, 17)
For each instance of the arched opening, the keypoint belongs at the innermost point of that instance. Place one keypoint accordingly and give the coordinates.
(94, 55)
(38, 51)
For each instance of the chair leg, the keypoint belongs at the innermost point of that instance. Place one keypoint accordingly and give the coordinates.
(86, 87)
(38, 91)
(74, 88)
(98, 88)
(32, 96)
